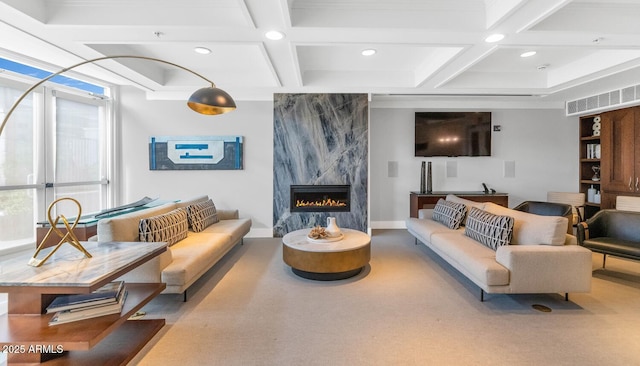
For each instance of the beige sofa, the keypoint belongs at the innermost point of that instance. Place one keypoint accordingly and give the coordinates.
(540, 258)
(187, 259)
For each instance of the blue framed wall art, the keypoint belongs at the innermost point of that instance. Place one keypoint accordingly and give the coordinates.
(195, 153)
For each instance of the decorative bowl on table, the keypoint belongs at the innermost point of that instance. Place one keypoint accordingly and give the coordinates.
(320, 235)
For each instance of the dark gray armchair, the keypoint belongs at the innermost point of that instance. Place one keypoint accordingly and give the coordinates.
(612, 232)
(548, 209)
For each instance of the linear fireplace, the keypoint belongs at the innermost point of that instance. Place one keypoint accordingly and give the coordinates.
(320, 198)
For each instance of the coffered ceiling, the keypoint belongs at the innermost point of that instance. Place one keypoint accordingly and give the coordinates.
(424, 47)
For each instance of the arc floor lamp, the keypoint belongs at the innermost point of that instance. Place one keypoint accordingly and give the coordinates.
(208, 100)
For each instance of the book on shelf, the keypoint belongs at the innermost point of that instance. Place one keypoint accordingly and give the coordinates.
(90, 311)
(593, 151)
(107, 294)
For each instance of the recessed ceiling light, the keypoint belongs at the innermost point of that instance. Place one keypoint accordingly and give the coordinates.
(369, 52)
(528, 54)
(494, 38)
(202, 50)
(274, 35)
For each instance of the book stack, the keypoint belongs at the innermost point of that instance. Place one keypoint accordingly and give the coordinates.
(104, 301)
(593, 151)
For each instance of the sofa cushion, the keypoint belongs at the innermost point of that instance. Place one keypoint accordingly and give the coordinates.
(201, 215)
(170, 227)
(424, 229)
(126, 227)
(489, 229)
(227, 214)
(191, 201)
(471, 258)
(467, 203)
(531, 229)
(193, 256)
(449, 213)
(237, 228)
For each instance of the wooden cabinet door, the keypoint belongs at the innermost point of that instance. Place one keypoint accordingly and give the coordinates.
(608, 200)
(618, 151)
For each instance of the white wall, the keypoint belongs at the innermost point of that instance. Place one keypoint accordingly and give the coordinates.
(249, 190)
(543, 143)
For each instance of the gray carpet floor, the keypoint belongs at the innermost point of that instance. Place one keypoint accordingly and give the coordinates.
(408, 307)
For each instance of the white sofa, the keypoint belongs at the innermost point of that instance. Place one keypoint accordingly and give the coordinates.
(541, 257)
(186, 260)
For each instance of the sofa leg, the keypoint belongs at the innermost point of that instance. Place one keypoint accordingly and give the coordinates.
(604, 260)
(481, 295)
(566, 296)
(184, 296)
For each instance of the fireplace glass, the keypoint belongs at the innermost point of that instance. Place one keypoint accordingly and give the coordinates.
(320, 198)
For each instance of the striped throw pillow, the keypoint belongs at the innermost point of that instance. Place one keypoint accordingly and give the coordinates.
(449, 214)
(489, 229)
(170, 227)
(201, 215)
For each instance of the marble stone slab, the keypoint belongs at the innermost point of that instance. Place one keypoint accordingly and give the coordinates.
(320, 139)
(69, 267)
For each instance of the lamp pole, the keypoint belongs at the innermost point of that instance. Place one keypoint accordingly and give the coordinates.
(230, 103)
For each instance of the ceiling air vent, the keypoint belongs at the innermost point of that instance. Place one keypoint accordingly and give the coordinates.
(603, 100)
(628, 94)
(614, 97)
(609, 100)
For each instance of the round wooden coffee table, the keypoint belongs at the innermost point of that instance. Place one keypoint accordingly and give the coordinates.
(326, 261)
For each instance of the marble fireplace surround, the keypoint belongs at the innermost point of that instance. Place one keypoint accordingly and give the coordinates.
(320, 139)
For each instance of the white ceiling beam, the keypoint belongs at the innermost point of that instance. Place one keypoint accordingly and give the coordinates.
(497, 10)
(436, 61)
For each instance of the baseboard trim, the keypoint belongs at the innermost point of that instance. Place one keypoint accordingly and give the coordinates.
(260, 233)
(388, 225)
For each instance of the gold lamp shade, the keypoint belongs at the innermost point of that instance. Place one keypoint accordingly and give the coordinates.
(211, 100)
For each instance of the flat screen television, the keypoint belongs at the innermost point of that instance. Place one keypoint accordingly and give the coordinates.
(453, 134)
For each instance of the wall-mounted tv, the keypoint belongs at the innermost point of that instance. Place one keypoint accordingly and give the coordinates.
(453, 134)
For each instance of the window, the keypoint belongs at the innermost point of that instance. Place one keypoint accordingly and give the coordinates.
(79, 171)
(17, 170)
(53, 146)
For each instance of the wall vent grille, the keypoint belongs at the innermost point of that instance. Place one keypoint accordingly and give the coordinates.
(609, 100)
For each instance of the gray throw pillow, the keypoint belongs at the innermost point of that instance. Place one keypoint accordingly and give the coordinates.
(489, 229)
(449, 213)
